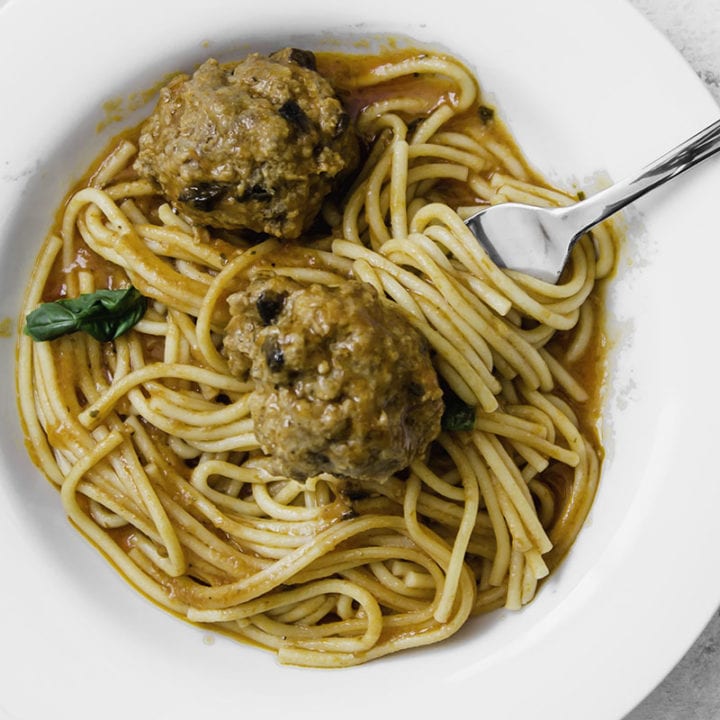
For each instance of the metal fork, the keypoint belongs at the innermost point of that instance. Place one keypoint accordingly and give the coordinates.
(538, 241)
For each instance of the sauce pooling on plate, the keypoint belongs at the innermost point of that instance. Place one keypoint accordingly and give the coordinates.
(311, 412)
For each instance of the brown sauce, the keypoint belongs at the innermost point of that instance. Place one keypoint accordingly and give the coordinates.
(340, 69)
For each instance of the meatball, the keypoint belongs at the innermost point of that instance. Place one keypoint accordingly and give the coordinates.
(343, 383)
(256, 145)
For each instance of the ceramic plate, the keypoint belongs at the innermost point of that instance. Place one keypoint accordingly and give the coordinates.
(590, 91)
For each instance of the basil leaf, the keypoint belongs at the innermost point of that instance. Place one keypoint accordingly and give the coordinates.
(104, 314)
(458, 415)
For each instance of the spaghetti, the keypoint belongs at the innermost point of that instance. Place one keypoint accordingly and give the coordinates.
(150, 440)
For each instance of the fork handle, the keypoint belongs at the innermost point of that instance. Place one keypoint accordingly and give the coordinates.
(589, 212)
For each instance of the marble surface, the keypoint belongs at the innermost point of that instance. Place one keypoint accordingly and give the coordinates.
(691, 691)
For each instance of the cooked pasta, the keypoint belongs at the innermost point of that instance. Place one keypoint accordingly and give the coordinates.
(150, 440)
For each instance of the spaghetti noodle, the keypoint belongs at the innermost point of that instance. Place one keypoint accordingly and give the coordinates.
(150, 440)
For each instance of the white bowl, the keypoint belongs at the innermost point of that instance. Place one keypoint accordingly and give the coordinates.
(589, 90)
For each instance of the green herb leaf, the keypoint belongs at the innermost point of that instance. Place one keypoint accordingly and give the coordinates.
(104, 314)
(487, 114)
(458, 415)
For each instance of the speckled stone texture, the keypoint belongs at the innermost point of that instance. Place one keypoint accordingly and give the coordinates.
(691, 691)
(693, 27)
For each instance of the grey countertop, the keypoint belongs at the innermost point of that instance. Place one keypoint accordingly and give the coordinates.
(691, 691)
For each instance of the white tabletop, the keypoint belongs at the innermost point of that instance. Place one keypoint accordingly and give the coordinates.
(692, 690)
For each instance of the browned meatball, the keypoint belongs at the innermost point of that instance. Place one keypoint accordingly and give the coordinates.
(344, 384)
(257, 145)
